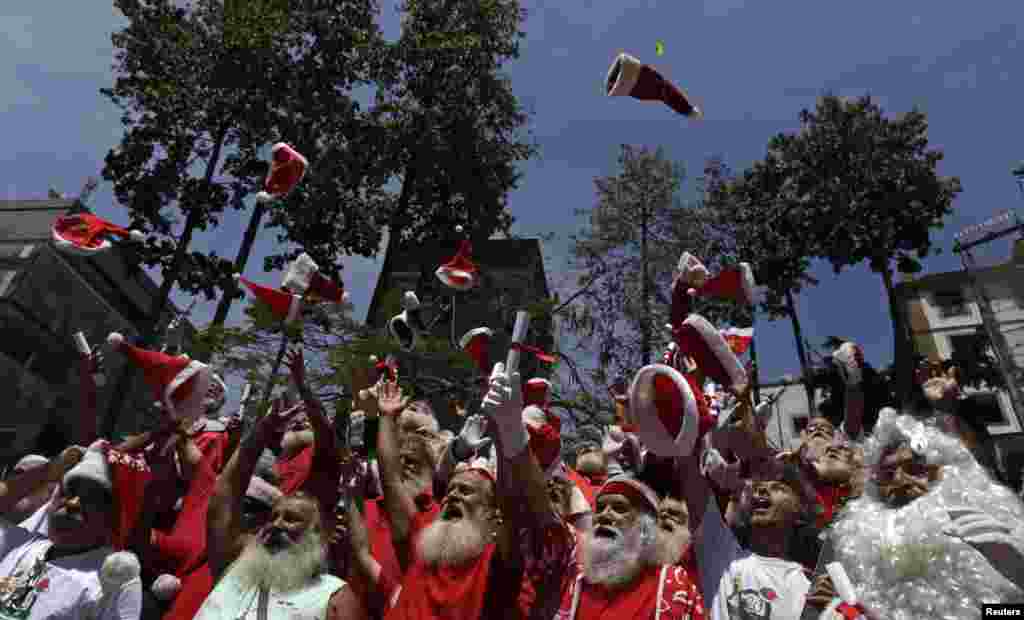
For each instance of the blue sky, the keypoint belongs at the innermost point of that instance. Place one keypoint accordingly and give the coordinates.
(751, 65)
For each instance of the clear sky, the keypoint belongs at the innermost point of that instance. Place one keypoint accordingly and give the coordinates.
(751, 65)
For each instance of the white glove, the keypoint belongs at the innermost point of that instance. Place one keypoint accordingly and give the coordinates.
(1002, 544)
(504, 404)
(471, 439)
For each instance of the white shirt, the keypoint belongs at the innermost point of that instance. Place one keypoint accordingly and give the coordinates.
(231, 600)
(741, 585)
(67, 587)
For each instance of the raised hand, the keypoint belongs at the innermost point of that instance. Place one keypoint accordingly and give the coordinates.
(93, 363)
(471, 439)
(390, 399)
(271, 427)
(296, 366)
(505, 395)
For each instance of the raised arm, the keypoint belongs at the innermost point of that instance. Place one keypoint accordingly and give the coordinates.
(86, 431)
(224, 516)
(398, 501)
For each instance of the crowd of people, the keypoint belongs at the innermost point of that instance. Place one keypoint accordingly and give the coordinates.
(683, 511)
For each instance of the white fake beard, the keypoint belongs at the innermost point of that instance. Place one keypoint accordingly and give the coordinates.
(294, 441)
(670, 546)
(285, 571)
(617, 562)
(902, 563)
(451, 543)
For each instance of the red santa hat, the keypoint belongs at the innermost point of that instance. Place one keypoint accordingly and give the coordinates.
(124, 475)
(303, 276)
(84, 234)
(664, 410)
(734, 283)
(635, 491)
(477, 343)
(285, 306)
(699, 340)
(738, 339)
(460, 273)
(629, 77)
(545, 435)
(537, 391)
(287, 167)
(180, 383)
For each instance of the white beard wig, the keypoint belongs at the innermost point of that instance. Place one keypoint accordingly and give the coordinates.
(451, 543)
(899, 559)
(616, 562)
(285, 571)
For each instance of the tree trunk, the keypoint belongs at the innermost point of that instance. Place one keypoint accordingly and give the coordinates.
(224, 305)
(148, 336)
(903, 346)
(645, 315)
(805, 371)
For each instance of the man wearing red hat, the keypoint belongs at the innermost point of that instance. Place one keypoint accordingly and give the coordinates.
(71, 572)
(469, 563)
(621, 576)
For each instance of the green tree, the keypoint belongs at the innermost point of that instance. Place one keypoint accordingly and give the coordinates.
(626, 258)
(454, 127)
(738, 209)
(870, 189)
(202, 89)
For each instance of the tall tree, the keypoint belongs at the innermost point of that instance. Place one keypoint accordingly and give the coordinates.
(455, 129)
(872, 192)
(739, 210)
(629, 251)
(202, 88)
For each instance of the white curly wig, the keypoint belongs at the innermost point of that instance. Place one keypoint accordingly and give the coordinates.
(900, 560)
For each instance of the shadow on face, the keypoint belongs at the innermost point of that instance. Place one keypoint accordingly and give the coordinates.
(614, 514)
(290, 518)
(470, 496)
(82, 515)
(773, 503)
(903, 476)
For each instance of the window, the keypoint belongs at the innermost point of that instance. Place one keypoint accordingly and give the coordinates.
(951, 304)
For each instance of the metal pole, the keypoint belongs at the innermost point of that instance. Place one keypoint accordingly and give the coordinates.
(996, 338)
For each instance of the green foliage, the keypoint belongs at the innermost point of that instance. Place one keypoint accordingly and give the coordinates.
(206, 87)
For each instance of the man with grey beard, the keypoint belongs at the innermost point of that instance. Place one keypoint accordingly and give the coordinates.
(623, 574)
(673, 544)
(281, 571)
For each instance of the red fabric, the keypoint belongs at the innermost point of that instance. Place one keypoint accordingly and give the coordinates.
(584, 486)
(594, 480)
(184, 548)
(442, 593)
(680, 598)
(537, 352)
(378, 528)
(292, 473)
(547, 564)
(629, 491)
(545, 442)
(215, 443)
(326, 289)
(830, 498)
(86, 230)
(279, 302)
(129, 477)
(195, 587)
(287, 167)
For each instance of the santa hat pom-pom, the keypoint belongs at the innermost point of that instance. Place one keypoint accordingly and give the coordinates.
(118, 569)
(166, 587)
(115, 339)
(346, 298)
(237, 277)
(263, 197)
(374, 359)
(459, 229)
(137, 236)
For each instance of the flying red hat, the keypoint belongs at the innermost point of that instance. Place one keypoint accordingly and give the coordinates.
(700, 341)
(738, 339)
(664, 411)
(460, 273)
(477, 343)
(287, 167)
(629, 77)
(85, 234)
(734, 283)
(303, 277)
(537, 391)
(180, 383)
(285, 306)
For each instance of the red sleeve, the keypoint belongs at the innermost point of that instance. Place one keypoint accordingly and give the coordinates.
(185, 546)
(292, 473)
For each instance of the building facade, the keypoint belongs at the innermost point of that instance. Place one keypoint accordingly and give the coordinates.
(45, 297)
(512, 278)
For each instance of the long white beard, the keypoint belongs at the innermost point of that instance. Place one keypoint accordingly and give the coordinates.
(285, 571)
(451, 543)
(670, 547)
(905, 567)
(617, 562)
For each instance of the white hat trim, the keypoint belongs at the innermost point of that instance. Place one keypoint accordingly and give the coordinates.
(473, 333)
(629, 73)
(534, 416)
(70, 247)
(300, 274)
(447, 276)
(192, 406)
(650, 430)
(747, 281)
(720, 348)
